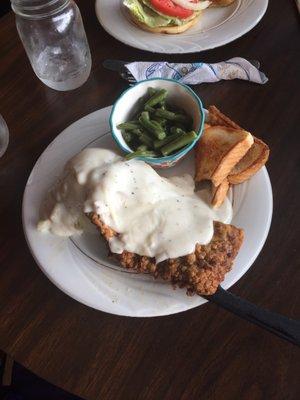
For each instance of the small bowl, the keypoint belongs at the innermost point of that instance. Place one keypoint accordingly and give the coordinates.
(179, 95)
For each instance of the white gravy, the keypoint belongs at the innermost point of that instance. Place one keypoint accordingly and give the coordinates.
(154, 216)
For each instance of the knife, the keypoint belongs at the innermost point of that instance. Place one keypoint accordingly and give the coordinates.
(284, 327)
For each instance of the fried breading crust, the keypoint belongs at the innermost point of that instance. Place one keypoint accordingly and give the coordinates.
(200, 272)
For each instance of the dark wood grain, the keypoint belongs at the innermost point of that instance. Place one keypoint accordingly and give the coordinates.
(204, 353)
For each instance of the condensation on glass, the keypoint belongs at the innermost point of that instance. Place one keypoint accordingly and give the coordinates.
(54, 38)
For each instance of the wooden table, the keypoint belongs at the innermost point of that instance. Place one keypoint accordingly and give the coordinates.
(204, 353)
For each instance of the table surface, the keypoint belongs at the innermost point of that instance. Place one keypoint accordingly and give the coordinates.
(204, 353)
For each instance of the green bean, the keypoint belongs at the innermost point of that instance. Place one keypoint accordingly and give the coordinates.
(140, 103)
(149, 108)
(128, 126)
(151, 91)
(143, 137)
(175, 129)
(137, 132)
(169, 115)
(178, 143)
(140, 154)
(157, 97)
(146, 141)
(156, 126)
(145, 115)
(127, 136)
(152, 126)
(159, 131)
(161, 121)
(140, 132)
(160, 143)
(179, 125)
(142, 147)
(184, 119)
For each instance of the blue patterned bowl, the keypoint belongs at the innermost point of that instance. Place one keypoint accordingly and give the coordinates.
(179, 95)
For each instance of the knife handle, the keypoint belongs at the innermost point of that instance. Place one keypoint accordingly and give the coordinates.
(279, 325)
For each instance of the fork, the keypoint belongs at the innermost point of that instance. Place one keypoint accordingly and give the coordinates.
(128, 77)
(119, 66)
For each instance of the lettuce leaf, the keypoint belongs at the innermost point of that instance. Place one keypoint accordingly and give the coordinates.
(143, 12)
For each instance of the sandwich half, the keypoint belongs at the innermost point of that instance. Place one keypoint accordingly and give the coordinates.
(165, 16)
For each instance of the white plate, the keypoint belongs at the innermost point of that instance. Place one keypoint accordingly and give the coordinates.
(79, 265)
(217, 27)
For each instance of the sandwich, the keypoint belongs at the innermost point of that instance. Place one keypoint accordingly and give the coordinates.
(165, 16)
(221, 3)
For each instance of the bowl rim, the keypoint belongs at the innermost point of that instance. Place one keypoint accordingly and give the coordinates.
(172, 157)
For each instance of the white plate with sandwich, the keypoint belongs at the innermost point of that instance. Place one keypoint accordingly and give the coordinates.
(165, 26)
(79, 264)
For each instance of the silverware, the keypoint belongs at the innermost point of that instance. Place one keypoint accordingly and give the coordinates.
(279, 325)
(119, 66)
(285, 328)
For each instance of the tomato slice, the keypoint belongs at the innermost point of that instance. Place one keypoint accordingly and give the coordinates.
(167, 7)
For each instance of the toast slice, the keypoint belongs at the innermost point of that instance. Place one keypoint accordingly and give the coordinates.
(219, 149)
(253, 160)
(215, 117)
(219, 193)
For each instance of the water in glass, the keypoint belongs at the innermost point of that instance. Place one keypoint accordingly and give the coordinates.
(54, 38)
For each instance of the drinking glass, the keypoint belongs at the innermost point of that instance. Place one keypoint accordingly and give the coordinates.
(54, 38)
(4, 136)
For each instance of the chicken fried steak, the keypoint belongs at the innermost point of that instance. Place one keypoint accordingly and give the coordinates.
(200, 272)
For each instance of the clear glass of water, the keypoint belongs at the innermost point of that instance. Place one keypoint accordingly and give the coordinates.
(54, 38)
(4, 136)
